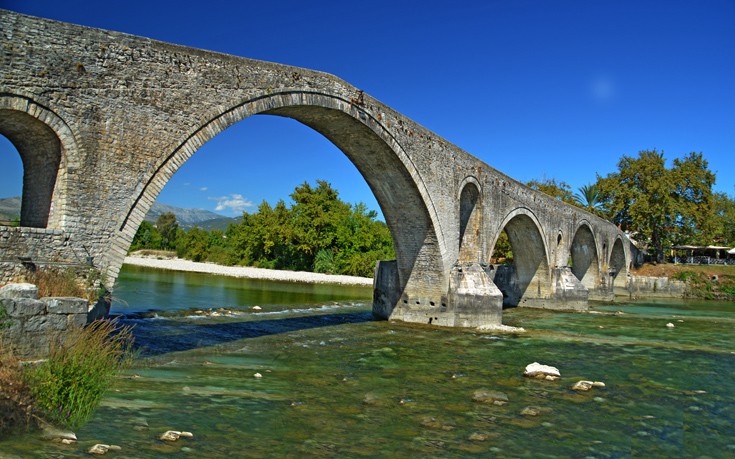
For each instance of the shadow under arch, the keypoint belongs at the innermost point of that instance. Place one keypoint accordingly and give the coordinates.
(470, 222)
(529, 277)
(585, 261)
(617, 264)
(387, 169)
(43, 141)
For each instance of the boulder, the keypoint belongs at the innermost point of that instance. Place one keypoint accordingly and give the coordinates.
(539, 371)
(170, 435)
(173, 435)
(583, 385)
(100, 449)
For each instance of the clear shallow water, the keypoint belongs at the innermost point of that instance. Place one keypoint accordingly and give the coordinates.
(337, 384)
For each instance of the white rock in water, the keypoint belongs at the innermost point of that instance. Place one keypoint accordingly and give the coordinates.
(582, 385)
(187, 435)
(537, 370)
(670, 325)
(257, 375)
(170, 435)
(99, 449)
(256, 308)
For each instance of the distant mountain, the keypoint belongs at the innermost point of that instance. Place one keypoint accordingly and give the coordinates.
(9, 208)
(220, 223)
(187, 218)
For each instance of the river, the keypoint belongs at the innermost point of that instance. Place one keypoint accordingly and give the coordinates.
(310, 374)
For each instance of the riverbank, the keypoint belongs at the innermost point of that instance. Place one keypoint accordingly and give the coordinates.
(709, 282)
(178, 264)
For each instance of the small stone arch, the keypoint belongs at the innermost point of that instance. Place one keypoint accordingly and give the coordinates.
(585, 260)
(528, 280)
(395, 182)
(45, 144)
(470, 221)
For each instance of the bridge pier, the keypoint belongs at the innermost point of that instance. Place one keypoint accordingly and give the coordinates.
(473, 300)
(473, 296)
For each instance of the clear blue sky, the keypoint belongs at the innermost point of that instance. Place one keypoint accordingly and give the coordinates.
(537, 89)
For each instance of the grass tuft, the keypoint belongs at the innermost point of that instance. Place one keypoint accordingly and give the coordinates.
(67, 388)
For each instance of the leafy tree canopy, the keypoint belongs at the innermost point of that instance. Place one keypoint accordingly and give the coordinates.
(661, 205)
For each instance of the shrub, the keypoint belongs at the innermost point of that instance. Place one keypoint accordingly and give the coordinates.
(68, 282)
(68, 387)
(15, 396)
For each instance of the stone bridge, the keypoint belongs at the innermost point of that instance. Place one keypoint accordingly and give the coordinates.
(102, 120)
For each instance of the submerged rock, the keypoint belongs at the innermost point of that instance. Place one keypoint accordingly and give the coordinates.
(587, 385)
(490, 396)
(170, 435)
(534, 411)
(100, 449)
(49, 432)
(539, 371)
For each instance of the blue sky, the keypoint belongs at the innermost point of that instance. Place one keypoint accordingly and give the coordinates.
(536, 89)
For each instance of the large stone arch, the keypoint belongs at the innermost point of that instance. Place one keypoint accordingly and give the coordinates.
(528, 281)
(470, 222)
(44, 142)
(393, 179)
(585, 260)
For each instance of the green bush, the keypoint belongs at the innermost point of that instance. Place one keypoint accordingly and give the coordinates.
(67, 388)
(4, 322)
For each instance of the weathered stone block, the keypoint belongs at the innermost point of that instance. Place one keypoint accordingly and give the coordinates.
(23, 307)
(45, 323)
(67, 305)
(76, 320)
(19, 291)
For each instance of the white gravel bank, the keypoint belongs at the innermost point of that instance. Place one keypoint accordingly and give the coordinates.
(177, 264)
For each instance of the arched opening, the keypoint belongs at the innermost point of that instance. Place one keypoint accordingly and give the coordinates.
(11, 186)
(368, 145)
(585, 264)
(470, 224)
(40, 152)
(617, 264)
(527, 278)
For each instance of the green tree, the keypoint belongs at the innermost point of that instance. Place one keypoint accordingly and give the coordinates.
(193, 244)
(660, 206)
(169, 229)
(692, 182)
(723, 219)
(589, 198)
(316, 216)
(559, 190)
(147, 237)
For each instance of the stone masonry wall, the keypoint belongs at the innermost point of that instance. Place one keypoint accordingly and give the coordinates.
(129, 111)
(30, 325)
